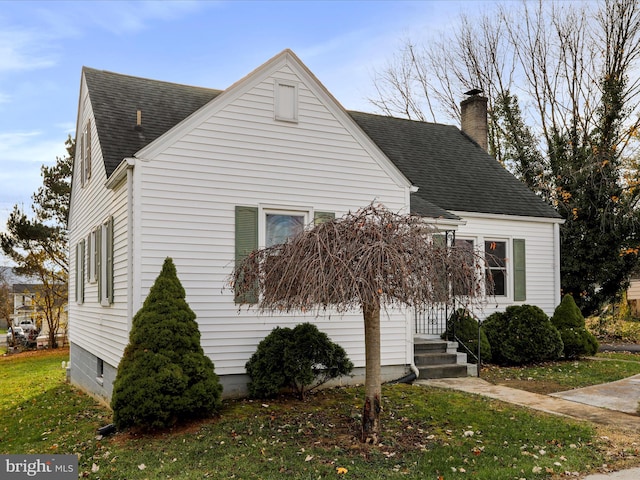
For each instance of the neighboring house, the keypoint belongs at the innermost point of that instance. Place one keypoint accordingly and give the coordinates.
(24, 303)
(633, 296)
(26, 310)
(204, 176)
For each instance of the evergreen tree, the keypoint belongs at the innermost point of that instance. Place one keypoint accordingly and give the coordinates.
(574, 138)
(569, 321)
(38, 244)
(164, 376)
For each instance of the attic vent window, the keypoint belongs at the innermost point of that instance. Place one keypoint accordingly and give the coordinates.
(286, 101)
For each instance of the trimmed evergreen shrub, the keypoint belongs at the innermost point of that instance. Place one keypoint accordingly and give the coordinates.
(302, 358)
(522, 335)
(164, 376)
(568, 319)
(466, 330)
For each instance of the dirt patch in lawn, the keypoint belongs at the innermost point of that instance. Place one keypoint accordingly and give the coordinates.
(544, 387)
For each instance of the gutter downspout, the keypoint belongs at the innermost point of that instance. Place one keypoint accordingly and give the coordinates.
(556, 262)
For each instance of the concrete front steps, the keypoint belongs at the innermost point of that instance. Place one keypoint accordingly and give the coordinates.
(440, 359)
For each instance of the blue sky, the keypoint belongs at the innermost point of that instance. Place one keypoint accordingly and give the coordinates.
(43, 46)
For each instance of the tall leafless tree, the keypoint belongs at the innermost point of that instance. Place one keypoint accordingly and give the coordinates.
(563, 87)
(367, 260)
(553, 56)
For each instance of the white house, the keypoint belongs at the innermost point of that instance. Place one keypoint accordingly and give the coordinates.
(202, 176)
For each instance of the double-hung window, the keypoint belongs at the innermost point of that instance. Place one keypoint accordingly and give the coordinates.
(267, 226)
(509, 277)
(80, 268)
(85, 154)
(92, 257)
(104, 267)
(466, 249)
(496, 266)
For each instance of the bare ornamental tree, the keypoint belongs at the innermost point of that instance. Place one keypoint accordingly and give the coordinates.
(367, 260)
(563, 93)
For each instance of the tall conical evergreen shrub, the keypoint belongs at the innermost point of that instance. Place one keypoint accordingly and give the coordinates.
(568, 319)
(164, 376)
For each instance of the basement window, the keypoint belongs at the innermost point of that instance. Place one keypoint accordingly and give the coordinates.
(100, 371)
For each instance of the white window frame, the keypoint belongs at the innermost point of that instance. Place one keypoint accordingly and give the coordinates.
(508, 290)
(100, 371)
(106, 267)
(264, 210)
(91, 258)
(86, 153)
(281, 86)
(478, 269)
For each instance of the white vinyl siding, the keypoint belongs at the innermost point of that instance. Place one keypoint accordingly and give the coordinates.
(540, 287)
(102, 331)
(240, 155)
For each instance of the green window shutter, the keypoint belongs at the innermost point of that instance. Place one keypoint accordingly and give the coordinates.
(99, 260)
(246, 242)
(321, 217)
(110, 261)
(79, 293)
(76, 296)
(519, 270)
(439, 240)
(88, 145)
(82, 269)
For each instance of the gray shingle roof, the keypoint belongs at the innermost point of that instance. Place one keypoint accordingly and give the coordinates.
(451, 170)
(116, 98)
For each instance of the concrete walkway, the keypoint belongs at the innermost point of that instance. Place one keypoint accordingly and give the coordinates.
(607, 404)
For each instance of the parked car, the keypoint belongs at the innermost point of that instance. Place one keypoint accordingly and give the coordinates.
(15, 335)
(28, 325)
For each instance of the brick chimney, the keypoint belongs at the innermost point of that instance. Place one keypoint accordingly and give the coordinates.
(474, 117)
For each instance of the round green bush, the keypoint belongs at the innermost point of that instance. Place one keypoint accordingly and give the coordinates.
(301, 358)
(466, 331)
(522, 335)
(164, 376)
(568, 319)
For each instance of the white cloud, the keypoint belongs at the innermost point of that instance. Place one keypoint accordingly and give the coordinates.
(127, 17)
(26, 147)
(22, 50)
(21, 156)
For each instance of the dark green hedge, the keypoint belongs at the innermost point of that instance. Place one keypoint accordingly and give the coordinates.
(301, 358)
(522, 335)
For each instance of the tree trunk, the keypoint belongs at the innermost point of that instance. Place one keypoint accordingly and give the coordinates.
(372, 383)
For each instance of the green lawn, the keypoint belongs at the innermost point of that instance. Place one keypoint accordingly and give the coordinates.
(427, 433)
(559, 376)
